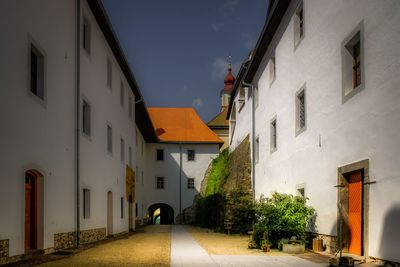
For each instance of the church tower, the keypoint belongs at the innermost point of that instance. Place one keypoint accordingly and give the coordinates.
(219, 124)
(225, 94)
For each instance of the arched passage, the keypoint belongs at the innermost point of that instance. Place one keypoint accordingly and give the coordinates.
(161, 213)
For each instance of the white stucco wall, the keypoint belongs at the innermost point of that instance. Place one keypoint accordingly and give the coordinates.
(102, 171)
(140, 175)
(364, 127)
(243, 120)
(35, 134)
(169, 169)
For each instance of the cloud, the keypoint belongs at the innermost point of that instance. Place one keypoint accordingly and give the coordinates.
(248, 41)
(220, 68)
(229, 6)
(217, 26)
(197, 103)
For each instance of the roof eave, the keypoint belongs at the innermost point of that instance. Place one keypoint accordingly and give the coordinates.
(143, 121)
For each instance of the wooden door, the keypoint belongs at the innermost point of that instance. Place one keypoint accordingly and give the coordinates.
(109, 213)
(30, 212)
(355, 213)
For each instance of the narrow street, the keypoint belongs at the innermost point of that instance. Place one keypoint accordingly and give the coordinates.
(178, 246)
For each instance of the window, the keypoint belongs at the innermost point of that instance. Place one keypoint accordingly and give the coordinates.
(136, 138)
(130, 156)
(86, 203)
(300, 111)
(86, 35)
(298, 25)
(300, 192)
(353, 63)
(130, 108)
(37, 73)
(136, 210)
(190, 183)
(257, 150)
(160, 182)
(242, 98)
(273, 144)
(232, 121)
(142, 178)
(272, 70)
(160, 154)
(122, 207)
(86, 118)
(122, 94)
(191, 155)
(109, 73)
(122, 150)
(109, 139)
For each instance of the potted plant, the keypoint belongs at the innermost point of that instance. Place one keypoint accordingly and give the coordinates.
(265, 245)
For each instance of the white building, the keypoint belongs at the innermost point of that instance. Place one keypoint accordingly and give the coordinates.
(176, 165)
(68, 109)
(325, 83)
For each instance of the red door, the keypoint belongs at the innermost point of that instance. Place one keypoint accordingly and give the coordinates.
(355, 213)
(30, 212)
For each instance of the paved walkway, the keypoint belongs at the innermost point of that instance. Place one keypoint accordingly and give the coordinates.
(185, 251)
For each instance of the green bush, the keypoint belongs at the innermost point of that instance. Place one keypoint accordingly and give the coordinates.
(218, 174)
(242, 210)
(281, 216)
(209, 211)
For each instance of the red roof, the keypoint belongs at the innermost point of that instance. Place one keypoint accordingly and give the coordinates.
(229, 81)
(181, 125)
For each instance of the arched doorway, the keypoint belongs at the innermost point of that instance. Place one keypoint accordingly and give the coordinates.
(109, 213)
(161, 213)
(33, 210)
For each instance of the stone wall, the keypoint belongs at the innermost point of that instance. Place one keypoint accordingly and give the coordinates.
(64, 240)
(4, 249)
(92, 235)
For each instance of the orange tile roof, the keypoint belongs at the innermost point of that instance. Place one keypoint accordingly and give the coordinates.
(181, 125)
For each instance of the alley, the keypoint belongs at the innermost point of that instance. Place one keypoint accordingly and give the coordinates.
(178, 246)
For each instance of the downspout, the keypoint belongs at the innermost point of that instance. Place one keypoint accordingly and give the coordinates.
(180, 183)
(77, 105)
(253, 138)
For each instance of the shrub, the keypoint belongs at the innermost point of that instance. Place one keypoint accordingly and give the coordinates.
(209, 211)
(218, 174)
(281, 216)
(242, 210)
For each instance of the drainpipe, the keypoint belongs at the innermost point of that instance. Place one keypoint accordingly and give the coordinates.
(180, 183)
(77, 105)
(253, 138)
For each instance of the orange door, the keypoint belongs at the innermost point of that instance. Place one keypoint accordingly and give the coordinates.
(355, 213)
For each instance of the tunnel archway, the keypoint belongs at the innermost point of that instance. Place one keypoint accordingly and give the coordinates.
(161, 213)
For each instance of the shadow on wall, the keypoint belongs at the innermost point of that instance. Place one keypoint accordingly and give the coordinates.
(390, 240)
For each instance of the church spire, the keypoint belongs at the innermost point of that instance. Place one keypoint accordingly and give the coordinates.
(229, 81)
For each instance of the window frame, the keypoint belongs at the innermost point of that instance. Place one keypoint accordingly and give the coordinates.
(272, 70)
(298, 127)
(109, 139)
(273, 135)
(191, 183)
(194, 154)
(299, 30)
(162, 155)
(122, 207)
(122, 150)
(348, 86)
(86, 117)
(86, 35)
(160, 184)
(86, 203)
(41, 95)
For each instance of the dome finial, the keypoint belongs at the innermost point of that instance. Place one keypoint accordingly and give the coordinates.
(229, 62)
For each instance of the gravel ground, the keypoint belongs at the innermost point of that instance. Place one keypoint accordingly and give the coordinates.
(223, 244)
(150, 246)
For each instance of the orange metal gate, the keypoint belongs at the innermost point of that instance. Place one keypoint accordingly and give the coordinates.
(355, 213)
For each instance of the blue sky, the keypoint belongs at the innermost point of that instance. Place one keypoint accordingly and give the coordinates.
(178, 49)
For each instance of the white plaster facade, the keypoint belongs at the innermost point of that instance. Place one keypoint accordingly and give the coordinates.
(169, 168)
(37, 134)
(338, 132)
